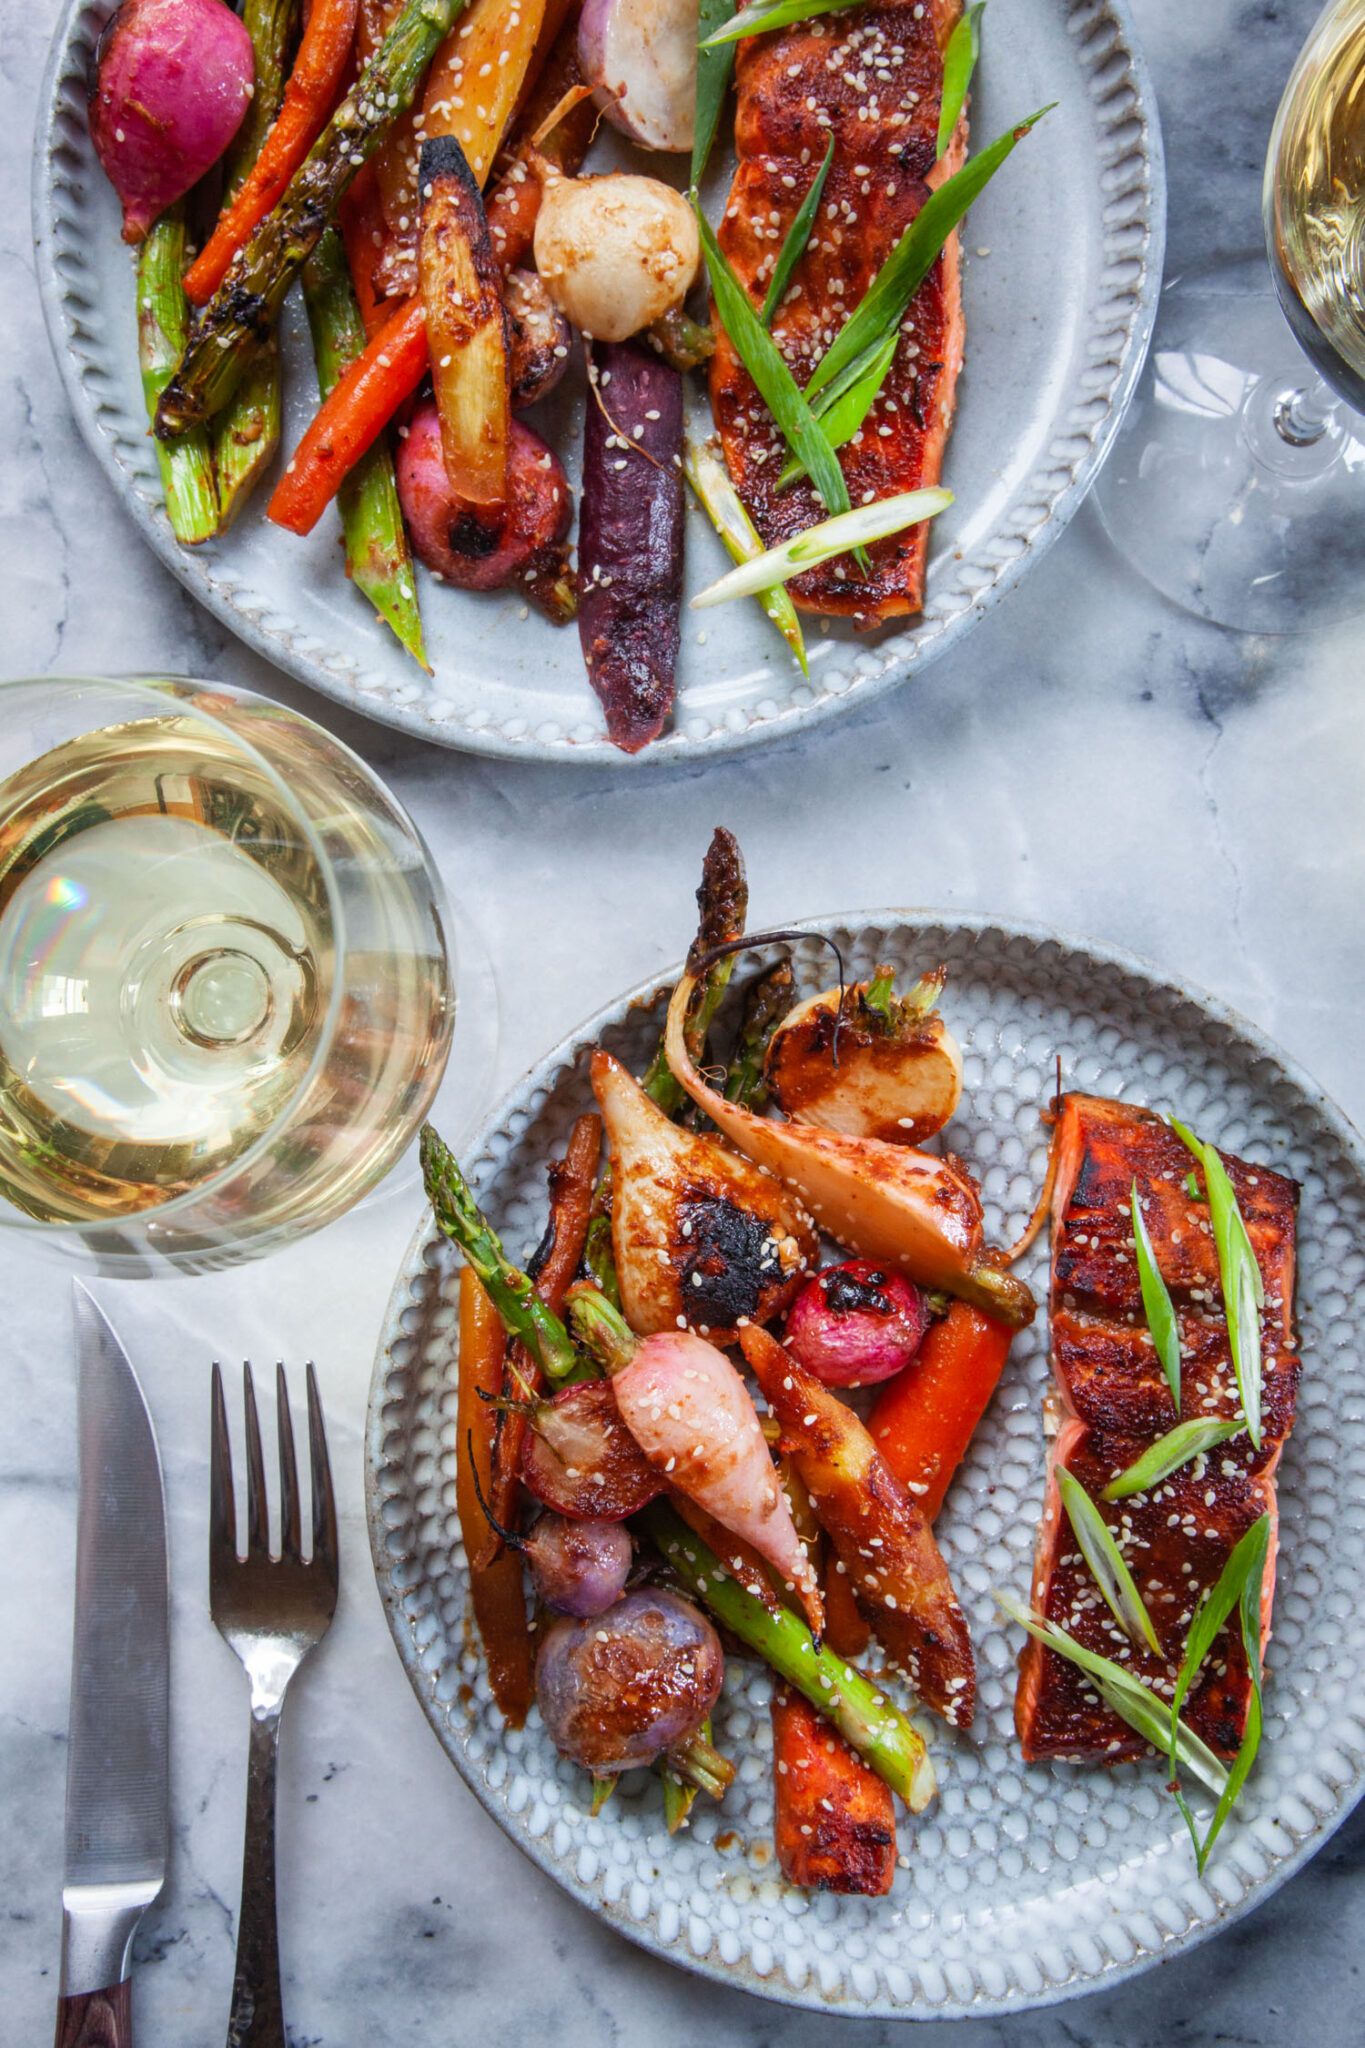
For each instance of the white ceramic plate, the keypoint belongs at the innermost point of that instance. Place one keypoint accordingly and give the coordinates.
(1063, 267)
(1022, 1884)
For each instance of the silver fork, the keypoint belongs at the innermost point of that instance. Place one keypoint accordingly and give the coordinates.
(272, 1611)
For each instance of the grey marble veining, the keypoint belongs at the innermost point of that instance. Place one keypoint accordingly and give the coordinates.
(1091, 758)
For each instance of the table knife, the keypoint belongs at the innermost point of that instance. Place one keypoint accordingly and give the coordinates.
(116, 1775)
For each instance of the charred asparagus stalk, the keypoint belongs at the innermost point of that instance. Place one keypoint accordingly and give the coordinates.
(459, 1216)
(244, 309)
(162, 326)
(767, 1004)
(862, 1713)
(247, 432)
(378, 558)
(723, 904)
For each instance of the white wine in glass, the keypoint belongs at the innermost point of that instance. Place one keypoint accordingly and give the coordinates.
(225, 993)
(1237, 485)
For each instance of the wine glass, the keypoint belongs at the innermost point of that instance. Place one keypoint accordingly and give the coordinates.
(1237, 486)
(226, 1000)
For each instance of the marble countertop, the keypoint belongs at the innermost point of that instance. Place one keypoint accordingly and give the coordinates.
(1090, 758)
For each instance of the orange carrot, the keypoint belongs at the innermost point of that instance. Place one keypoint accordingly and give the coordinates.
(923, 1420)
(496, 1590)
(360, 406)
(308, 99)
(846, 1629)
(833, 1822)
(361, 220)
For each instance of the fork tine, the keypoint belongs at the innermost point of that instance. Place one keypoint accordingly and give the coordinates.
(324, 1503)
(257, 1506)
(289, 1477)
(222, 1508)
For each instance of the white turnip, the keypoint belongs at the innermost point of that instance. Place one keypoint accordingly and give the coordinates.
(615, 252)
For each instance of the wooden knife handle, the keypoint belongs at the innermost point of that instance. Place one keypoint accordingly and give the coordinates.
(96, 2019)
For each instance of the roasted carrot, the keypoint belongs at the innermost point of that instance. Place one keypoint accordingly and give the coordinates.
(496, 1589)
(833, 1822)
(846, 1629)
(923, 1420)
(313, 83)
(361, 220)
(352, 419)
(572, 1181)
(515, 200)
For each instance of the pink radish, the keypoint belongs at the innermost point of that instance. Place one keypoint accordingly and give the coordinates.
(174, 79)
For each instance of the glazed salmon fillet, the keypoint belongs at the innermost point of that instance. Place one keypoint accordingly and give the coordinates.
(1115, 1403)
(872, 79)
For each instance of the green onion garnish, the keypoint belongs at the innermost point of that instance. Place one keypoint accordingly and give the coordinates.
(798, 234)
(710, 479)
(959, 62)
(1240, 1584)
(763, 360)
(1107, 1562)
(757, 20)
(1169, 1453)
(1239, 1276)
(1127, 1696)
(818, 543)
(1156, 1302)
(1192, 1188)
(714, 65)
(905, 269)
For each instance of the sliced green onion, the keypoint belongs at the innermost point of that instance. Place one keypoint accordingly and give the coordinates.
(1192, 1188)
(959, 62)
(905, 269)
(1239, 1585)
(842, 413)
(1156, 1302)
(798, 234)
(1128, 1697)
(763, 360)
(1107, 1562)
(1238, 1275)
(1169, 1453)
(818, 543)
(756, 21)
(710, 479)
(714, 65)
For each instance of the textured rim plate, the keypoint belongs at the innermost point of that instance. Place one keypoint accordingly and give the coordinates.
(1063, 266)
(1023, 1884)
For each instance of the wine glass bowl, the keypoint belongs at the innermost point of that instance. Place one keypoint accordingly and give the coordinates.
(226, 1000)
(1237, 484)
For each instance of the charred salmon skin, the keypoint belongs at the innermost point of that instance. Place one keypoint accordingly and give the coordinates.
(1115, 1403)
(870, 78)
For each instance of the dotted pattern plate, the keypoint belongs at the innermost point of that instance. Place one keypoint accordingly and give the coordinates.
(1021, 1884)
(1061, 274)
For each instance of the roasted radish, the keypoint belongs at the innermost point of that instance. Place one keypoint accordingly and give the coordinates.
(700, 1235)
(855, 1324)
(172, 85)
(615, 252)
(622, 1688)
(577, 1568)
(875, 1065)
(642, 57)
(580, 1459)
(452, 537)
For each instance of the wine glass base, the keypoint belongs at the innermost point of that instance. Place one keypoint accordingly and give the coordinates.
(1202, 493)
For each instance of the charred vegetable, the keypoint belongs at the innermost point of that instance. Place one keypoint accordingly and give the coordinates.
(923, 1422)
(855, 1324)
(579, 1458)
(496, 1590)
(577, 1568)
(461, 288)
(834, 1826)
(882, 1538)
(886, 1202)
(642, 57)
(173, 82)
(616, 252)
(627, 1686)
(895, 1072)
(163, 319)
(539, 338)
(526, 554)
(700, 1235)
(630, 539)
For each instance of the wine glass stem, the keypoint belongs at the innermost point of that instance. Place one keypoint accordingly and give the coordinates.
(1302, 416)
(1292, 428)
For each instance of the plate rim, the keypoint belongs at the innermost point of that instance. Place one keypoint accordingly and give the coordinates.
(853, 685)
(563, 1055)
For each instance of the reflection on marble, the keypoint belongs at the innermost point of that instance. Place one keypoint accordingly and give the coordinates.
(1091, 758)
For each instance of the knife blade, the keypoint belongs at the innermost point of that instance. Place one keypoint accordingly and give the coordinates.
(116, 1779)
